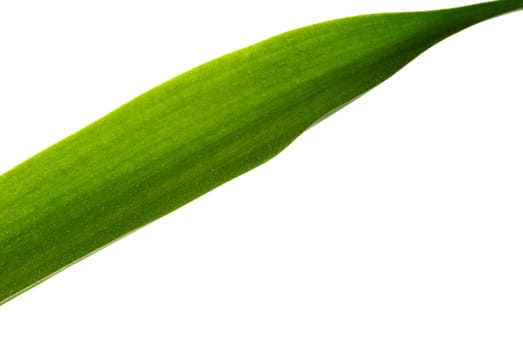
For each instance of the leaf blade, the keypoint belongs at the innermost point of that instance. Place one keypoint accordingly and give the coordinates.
(190, 134)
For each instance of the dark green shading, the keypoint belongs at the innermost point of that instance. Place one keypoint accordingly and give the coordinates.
(197, 131)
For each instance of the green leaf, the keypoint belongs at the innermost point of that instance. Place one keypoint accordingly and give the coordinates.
(197, 131)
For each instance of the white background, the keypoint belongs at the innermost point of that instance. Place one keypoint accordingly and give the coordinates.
(395, 224)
